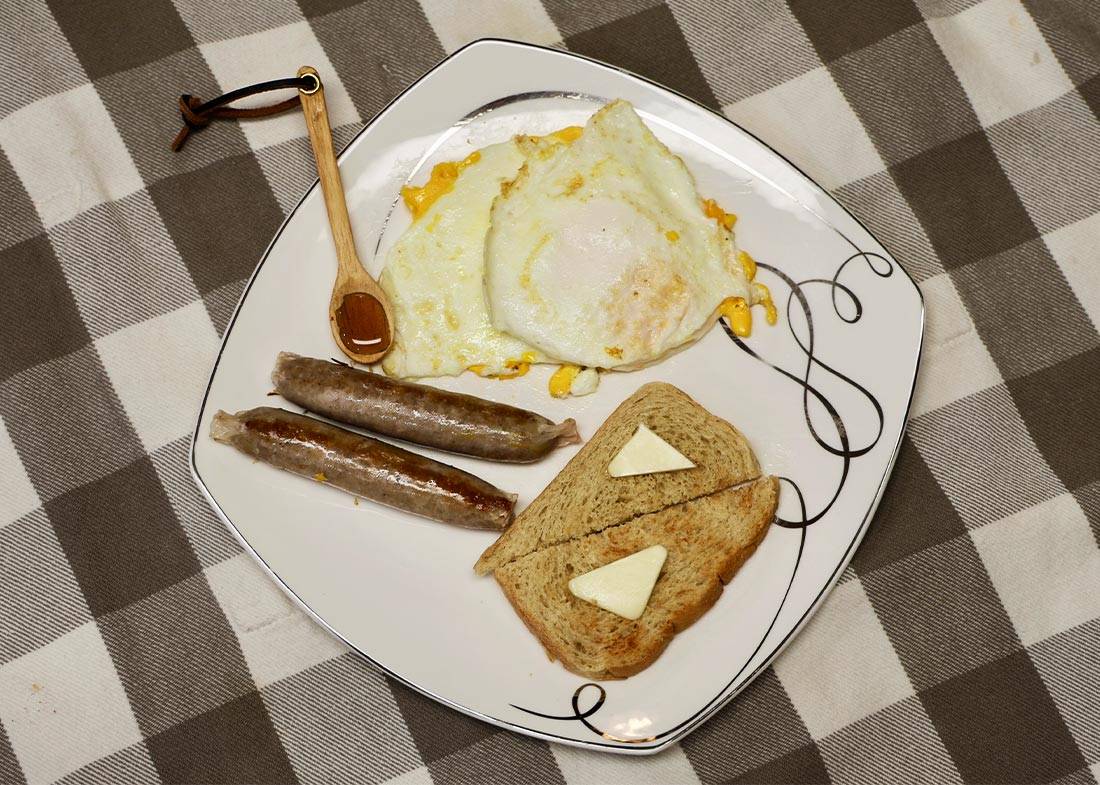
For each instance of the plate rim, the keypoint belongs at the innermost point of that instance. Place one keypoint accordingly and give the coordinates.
(701, 716)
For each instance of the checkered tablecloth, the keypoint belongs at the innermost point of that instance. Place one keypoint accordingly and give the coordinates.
(139, 644)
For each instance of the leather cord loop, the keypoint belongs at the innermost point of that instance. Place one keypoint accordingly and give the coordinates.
(197, 114)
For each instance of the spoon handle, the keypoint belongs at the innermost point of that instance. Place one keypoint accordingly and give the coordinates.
(320, 136)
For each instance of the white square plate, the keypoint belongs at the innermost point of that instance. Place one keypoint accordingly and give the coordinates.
(822, 397)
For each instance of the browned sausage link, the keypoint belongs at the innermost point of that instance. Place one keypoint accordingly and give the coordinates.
(418, 413)
(365, 466)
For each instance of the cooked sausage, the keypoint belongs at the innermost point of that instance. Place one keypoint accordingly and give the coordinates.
(365, 467)
(418, 413)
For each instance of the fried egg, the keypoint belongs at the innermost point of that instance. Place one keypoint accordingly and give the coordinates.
(600, 253)
(434, 274)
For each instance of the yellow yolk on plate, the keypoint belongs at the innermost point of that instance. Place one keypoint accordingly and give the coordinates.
(736, 309)
(568, 134)
(562, 380)
(748, 264)
(764, 298)
(737, 313)
(517, 368)
(418, 198)
(513, 368)
(712, 210)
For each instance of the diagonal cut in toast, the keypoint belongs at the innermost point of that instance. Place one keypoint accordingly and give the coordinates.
(584, 499)
(708, 539)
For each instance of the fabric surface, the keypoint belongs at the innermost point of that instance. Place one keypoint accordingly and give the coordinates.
(139, 644)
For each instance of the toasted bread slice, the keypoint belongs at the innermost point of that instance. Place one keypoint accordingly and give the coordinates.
(707, 539)
(584, 498)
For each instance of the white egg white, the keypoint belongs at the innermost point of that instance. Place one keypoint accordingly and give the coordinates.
(434, 277)
(600, 254)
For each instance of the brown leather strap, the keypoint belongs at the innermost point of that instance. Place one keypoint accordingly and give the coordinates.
(198, 114)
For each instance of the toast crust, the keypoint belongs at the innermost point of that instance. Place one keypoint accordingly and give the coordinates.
(584, 498)
(705, 552)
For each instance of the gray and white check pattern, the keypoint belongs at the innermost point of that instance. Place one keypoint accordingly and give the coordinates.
(139, 644)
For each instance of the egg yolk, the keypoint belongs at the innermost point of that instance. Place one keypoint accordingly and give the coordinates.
(748, 264)
(737, 313)
(712, 210)
(568, 134)
(561, 382)
(672, 235)
(764, 297)
(516, 368)
(418, 198)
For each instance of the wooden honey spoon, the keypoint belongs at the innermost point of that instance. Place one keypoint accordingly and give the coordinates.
(358, 313)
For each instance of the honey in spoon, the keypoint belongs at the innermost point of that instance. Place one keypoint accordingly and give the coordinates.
(363, 324)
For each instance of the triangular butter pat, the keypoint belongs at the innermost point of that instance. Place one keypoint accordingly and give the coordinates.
(647, 453)
(622, 587)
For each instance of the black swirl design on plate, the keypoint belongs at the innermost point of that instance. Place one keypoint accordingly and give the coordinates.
(578, 715)
(841, 448)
